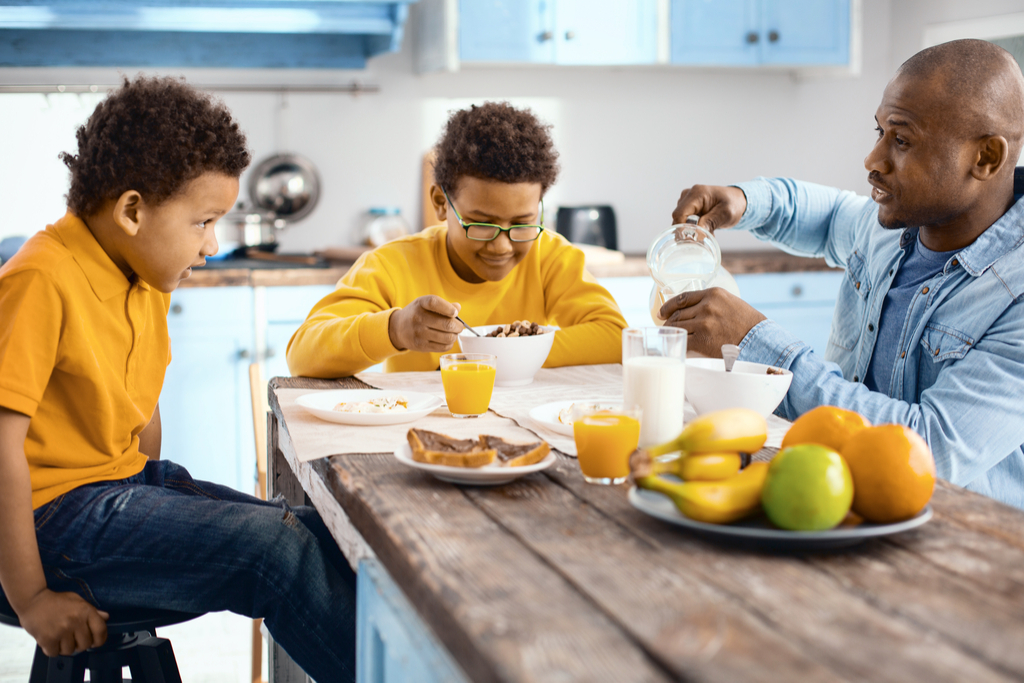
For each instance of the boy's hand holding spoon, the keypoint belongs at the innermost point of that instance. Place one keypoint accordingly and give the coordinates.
(429, 324)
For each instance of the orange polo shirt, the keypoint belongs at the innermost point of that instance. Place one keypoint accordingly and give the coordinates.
(83, 352)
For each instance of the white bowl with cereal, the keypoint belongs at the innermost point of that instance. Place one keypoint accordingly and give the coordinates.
(521, 349)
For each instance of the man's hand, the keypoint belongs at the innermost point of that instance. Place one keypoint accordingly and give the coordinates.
(428, 324)
(711, 317)
(63, 623)
(718, 207)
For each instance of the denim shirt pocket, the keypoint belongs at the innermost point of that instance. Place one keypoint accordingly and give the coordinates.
(941, 343)
(851, 304)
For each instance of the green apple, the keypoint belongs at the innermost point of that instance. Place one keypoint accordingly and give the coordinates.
(808, 488)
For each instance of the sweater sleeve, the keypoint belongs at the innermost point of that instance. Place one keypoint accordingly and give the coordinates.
(347, 330)
(590, 321)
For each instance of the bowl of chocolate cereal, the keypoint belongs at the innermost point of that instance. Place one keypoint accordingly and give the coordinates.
(521, 348)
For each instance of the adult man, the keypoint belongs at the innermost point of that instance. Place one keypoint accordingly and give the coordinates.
(929, 324)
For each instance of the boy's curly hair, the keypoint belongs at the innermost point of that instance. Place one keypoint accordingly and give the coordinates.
(495, 141)
(152, 135)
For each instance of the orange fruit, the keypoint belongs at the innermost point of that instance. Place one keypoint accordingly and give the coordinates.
(827, 426)
(893, 473)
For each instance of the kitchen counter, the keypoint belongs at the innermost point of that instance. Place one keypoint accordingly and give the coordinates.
(253, 273)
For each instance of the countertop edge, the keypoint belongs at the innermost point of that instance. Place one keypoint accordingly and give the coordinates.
(736, 262)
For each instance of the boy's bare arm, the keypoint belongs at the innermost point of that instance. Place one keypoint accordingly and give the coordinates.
(62, 623)
(150, 437)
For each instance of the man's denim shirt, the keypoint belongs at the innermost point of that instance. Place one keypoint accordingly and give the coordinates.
(959, 381)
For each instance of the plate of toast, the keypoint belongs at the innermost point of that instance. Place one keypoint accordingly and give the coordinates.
(369, 406)
(484, 461)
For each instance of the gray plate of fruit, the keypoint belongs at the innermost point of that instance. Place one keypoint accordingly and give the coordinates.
(760, 532)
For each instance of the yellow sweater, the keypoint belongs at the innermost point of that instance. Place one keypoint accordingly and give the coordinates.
(347, 331)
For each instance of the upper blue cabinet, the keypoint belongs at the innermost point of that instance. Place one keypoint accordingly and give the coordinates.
(306, 34)
(792, 33)
(761, 32)
(558, 31)
(455, 32)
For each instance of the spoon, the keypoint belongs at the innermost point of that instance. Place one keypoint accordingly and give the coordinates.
(730, 352)
(467, 326)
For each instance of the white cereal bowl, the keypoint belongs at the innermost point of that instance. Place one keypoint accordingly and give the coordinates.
(709, 387)
(519, 358)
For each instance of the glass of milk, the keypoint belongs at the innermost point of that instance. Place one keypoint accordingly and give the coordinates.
(653, 378)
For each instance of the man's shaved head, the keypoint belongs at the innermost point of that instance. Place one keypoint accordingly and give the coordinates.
(983, 89)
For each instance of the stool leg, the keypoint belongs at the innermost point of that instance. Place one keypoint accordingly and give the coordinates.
(156, 662)
(106, 667)
(66, 670)
(39, 666)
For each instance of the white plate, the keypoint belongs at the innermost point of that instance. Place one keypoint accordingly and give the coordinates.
(321, 404)
(758, 531)
(488, 475)
(547, 415)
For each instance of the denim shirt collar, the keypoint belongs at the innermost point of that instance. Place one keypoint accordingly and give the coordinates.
(1004, 235)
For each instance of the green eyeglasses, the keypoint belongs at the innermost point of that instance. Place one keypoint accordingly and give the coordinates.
(486, 232)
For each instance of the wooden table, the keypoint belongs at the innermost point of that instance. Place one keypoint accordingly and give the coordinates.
(552, 579)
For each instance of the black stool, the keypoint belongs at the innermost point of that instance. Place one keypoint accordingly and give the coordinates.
(131, 642)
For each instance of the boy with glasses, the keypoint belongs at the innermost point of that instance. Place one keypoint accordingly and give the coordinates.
(491, 262)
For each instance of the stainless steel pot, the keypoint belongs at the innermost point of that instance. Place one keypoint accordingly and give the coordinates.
(283, 189)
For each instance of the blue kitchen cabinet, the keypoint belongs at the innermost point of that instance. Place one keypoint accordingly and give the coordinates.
(205, 409)
(760, 32)
(337, 34)
(286, 308)
(393, 645)
(715, 32)
(568, 32)
(506, 31)
(802, 303)
(633, 295)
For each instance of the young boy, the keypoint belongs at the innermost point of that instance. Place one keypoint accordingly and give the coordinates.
(490, 263)
(92, 520)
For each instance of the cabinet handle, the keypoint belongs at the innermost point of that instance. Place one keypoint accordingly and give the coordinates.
(569, 35)
(546, 36)
(752, 37)
(176, 309)
(243, 354)
(773, 36)
(798, 290)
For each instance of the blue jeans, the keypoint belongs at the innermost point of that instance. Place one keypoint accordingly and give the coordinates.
(161, 539)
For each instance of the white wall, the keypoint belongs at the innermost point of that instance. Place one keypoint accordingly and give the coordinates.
(629, 137)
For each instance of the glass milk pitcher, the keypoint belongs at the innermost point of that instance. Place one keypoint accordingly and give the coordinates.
(684, 258)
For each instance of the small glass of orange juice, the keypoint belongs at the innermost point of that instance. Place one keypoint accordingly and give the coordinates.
(468, 380)
(605, 438)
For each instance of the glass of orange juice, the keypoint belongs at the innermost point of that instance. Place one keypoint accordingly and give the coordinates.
(468, 380)
(605, 438)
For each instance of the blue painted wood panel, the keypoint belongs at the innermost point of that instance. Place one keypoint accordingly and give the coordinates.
(621, 32)
(293, 304)
(506, 31)
(714, 32)
(806, 32)
(205, 410)
(392, 643)
(756, 32)
(632, 294)
(802, 303)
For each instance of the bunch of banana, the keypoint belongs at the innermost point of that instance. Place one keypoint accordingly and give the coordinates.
(714, 488)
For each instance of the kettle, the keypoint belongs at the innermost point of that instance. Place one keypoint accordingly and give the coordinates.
(588, 225)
